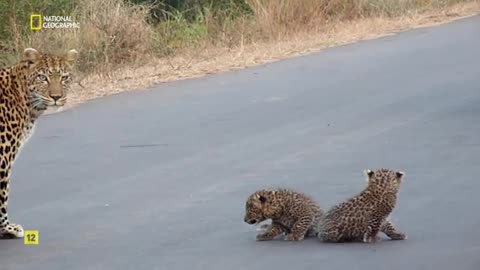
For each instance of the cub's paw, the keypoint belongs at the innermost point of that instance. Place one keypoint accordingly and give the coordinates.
(398, 236)
(367, 238)
(292, 237)
(12, 231)
(264, 237)
(265, 226)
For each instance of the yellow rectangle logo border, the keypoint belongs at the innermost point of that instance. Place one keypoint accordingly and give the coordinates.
(39, 27)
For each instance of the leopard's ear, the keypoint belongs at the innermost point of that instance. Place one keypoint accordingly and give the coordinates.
(261, 198)
(71, 57)
(368, 173)
(400, 175)
(32, 56)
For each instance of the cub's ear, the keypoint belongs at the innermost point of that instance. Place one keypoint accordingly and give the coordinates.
(400, 174)
(31, 55)
(368, 173)
(261, 198)
(71, 57)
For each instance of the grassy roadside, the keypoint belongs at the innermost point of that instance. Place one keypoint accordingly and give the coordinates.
(122, 51)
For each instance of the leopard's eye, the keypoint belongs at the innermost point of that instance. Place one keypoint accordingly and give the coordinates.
(41, 77)
(65, 77)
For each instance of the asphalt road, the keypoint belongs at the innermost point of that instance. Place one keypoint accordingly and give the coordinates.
(158, 179)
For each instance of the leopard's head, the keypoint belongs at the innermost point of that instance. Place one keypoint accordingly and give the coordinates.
(261, 205)
(384, 180)
(49, 77)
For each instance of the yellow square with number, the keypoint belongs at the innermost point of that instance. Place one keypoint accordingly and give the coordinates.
(31, 238)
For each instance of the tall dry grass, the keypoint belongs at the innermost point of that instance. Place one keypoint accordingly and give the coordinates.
(115, 33)
(111, 33)
(279, 18)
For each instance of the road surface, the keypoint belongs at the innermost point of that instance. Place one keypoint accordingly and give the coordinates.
(158, 179)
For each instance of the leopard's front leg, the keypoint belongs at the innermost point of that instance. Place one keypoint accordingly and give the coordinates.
(389, 229)
(7, 229)
(273, 231)
(375, 223)
(300, 228)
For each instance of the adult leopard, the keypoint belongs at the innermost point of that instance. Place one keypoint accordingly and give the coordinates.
(27, 89)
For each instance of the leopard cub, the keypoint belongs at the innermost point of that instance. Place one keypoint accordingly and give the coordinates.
(292, 213)
(363, 216)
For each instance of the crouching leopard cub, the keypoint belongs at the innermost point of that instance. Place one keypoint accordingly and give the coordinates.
(292, 213)
(361, 217)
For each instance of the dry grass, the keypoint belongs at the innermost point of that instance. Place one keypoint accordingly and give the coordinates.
(120, 51)
(111, 33)
(210, 59)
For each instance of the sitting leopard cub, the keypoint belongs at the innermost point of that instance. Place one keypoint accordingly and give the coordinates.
(364, 215)
(292, 213)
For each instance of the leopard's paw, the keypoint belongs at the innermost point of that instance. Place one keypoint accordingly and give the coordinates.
(398, 236)
(292, 237)
(367, 238)
(264, 237)
(12, 230)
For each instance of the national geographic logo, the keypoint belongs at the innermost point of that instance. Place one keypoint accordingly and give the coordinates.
(39, 22)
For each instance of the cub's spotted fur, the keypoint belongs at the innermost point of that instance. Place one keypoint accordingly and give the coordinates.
(364, 215)
(292, 213)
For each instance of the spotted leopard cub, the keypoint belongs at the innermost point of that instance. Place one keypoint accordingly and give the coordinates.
(361, 217)
(292, 213)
